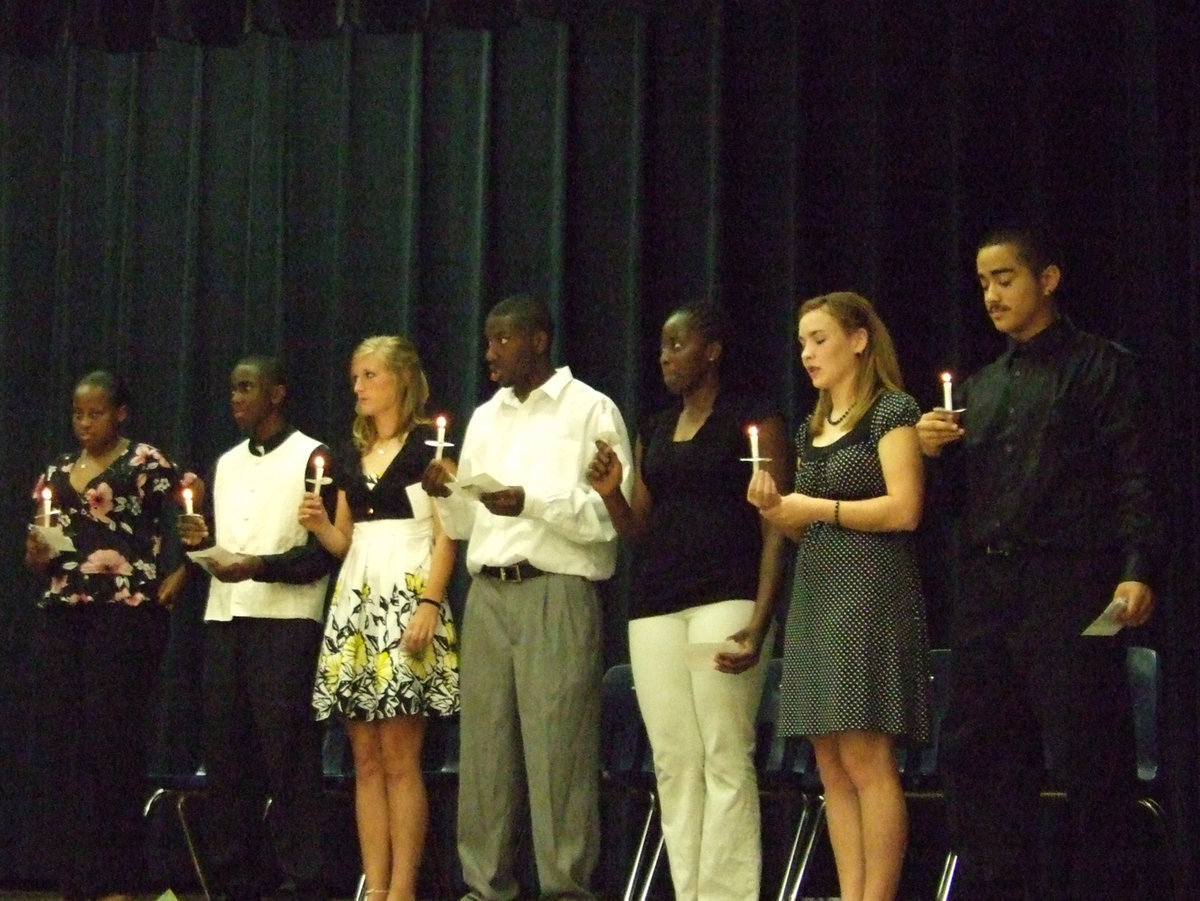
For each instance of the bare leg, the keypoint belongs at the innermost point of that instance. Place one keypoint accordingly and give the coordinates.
(370, 802)
(407, 804)
(843, 817)
(868, 759)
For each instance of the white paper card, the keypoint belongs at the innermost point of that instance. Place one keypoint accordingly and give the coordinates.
(1106, 623)
(210, 555)
(609, 437)
(475, 485)
(701, 655)
(53, 536)
(419, 500)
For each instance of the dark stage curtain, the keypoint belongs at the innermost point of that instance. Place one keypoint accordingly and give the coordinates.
(182, 183)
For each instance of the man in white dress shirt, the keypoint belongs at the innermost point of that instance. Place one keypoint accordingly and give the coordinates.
(531, 639)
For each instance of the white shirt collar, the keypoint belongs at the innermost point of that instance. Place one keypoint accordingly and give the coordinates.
(552, 387)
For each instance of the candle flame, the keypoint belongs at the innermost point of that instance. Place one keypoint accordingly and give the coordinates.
(187, 493)
(945, 376)
(46, 494)
(753, 430)
(441, 422)
(319, 462)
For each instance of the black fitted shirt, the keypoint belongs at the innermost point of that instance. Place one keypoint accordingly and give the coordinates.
(704, 540)
(1054, 457)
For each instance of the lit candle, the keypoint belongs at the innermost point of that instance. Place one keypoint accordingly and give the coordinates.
(753, 430)
(46, 507)
(187, 501)
(319, 468)
(441, 437)
(947, 392)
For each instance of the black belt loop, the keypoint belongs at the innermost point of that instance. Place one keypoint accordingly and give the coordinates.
(513, 572)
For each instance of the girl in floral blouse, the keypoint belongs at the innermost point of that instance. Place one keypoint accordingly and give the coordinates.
(101, 633)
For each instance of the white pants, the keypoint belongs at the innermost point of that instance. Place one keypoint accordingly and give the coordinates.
(701, 728)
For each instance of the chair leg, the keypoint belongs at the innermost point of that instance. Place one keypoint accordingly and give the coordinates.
(360, 890)
(653, 868)
(148, 807)
(1170, 849)
(800, 866)
(635, 869)
(947, 877)
(799, 835)
(193, 852)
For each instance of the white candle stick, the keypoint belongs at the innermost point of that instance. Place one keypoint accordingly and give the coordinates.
(947, 392)
(753, 430)
(441, 437)
(46, 496)
(187, 501)
(319, 470)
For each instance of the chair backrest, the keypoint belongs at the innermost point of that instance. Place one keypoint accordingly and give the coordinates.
(778, 755)
(439, 750)
(921, 763)
(439, 753)
(1145, 689)
(769, 748)
(624, 746)
(337, 761)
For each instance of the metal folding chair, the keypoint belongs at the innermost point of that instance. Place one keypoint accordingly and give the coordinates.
(787, 770)
(920, 773)
(628, 767)
(1145, 683)
(439, 764)
(176, 789)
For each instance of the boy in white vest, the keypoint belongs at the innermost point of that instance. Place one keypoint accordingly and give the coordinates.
(263, 629)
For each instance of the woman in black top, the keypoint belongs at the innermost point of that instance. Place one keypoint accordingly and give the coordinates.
(707, 571)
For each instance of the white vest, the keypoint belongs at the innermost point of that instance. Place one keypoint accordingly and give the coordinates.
(256, 501)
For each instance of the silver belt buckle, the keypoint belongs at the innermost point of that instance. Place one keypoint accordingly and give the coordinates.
(510, 573)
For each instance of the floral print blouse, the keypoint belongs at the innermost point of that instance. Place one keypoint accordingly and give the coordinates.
(117, 527)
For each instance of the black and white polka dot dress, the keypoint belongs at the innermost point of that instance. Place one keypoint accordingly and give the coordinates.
(856, 650)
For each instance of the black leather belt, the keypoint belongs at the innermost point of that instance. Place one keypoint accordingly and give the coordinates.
(514, 572)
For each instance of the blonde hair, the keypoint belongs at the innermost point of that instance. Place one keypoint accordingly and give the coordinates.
(878, 369)
(399, 356)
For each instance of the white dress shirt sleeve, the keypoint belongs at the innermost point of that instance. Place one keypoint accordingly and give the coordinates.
(579, 514)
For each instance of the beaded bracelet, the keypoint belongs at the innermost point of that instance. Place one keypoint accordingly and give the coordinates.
(837, 510)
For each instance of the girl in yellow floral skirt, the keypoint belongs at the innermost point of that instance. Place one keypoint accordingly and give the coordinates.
(389, 656)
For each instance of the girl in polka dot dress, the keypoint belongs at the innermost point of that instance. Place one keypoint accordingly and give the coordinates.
(855, 673)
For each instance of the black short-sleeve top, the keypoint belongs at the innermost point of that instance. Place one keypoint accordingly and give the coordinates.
(385, 498)
(704, 540)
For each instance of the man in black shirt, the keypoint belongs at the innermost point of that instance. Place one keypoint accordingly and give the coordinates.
(1053, 482)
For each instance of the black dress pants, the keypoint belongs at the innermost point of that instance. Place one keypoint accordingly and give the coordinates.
(1033, 702)
(98, 672)
(261, 741)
